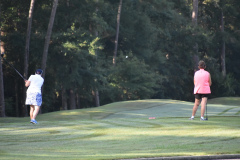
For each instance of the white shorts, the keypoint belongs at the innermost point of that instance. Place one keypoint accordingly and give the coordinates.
(34, 98)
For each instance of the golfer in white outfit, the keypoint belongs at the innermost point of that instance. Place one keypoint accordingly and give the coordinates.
(34, 94)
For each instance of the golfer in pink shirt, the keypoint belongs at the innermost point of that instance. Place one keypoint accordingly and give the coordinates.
(202, 83)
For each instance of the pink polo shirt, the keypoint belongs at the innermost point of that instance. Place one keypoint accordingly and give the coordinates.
(201, 79)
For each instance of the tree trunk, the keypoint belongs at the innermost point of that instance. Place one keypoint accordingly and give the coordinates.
(68, 3)
(117, 33)
(96, 97)
(26, 55)
(78, 101)
(194, 23)
(2, 103)
(72, 99)
(195, 12)
(96, 93)
(223, 65)
(64, 99)
(47, 38)
(17, 99)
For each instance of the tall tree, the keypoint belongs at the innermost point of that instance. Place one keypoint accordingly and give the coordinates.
(48, 36)
(117, 32)
(96, 92)
(64, 99)
(72, 99)
(26, 55)
(194, 23)
(223, 65)
(2, 104)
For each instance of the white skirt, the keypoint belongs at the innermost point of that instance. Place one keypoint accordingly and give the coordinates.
(34, 98)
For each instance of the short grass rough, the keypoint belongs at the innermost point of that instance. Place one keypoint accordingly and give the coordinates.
(123, 130)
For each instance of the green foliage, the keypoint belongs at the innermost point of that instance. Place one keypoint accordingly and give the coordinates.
(9, 107)
(157, 36)
(133, 78)
(227, 86)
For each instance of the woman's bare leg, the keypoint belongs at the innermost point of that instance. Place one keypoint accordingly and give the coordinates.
(35, 113)
(195, 107)
(203, 106)
(31, 112)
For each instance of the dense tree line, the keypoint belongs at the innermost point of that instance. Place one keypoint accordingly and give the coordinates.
(103, 51)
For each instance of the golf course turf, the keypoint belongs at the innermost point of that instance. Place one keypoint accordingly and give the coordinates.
(123, 130)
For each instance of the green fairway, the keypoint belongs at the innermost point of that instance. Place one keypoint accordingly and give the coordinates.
(124, 130)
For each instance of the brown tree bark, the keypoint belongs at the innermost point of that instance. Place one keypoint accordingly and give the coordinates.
(223, 65)
(72, 99)
(47, 38)
(26, 55)
(17, 98)
(194, 23)
(64, 99)
(96, 92)
(195, 12)
(117, 32)
(78, 99)
(2, 103)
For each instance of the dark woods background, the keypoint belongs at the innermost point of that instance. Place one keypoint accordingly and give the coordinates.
(159, 43)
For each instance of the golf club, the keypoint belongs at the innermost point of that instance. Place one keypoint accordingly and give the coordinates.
(2, 54)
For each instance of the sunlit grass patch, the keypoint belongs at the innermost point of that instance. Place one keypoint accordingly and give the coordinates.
(122, 130)
(234, 101)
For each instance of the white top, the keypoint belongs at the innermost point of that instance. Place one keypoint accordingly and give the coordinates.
(36, 82)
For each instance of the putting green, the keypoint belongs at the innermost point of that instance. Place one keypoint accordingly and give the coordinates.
(124, 130)
(172, 108)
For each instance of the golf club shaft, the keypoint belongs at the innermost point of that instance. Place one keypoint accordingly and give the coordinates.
(206, 112)
(13, 68)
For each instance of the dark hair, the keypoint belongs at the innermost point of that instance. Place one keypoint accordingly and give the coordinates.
(39, 71)
(201, 64)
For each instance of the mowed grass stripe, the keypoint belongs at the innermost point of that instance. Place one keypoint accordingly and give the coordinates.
(117, 131)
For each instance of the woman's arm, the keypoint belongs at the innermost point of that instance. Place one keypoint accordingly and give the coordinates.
(210, 80)
(27, 83)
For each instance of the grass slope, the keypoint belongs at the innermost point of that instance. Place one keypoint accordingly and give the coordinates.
(123, 130)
